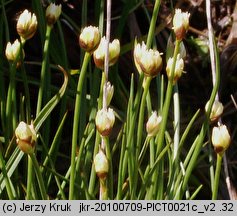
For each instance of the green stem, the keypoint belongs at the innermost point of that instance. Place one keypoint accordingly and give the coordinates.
(139, 134)
(9, 103)
(217, 176)
(110, 176)
(165, 110)
(130, 153)
(7, 181)
(39, 176)
(151, 32)
(76, 123)
(141, 115)
(121, 169)
(29, 179)
(43, 69)
(27, 94)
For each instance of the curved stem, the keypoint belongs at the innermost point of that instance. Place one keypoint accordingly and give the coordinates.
(217, 176)
(76, 123)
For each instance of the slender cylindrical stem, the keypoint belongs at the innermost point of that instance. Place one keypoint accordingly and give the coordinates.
(76, 123)
(43, 69)
(166, 106)
(217, 176)
(39, 176)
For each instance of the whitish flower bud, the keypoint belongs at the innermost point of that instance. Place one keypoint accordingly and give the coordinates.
(13, 50)
(26, 137)
(104, 121)
(99, 53)
(101, 164)
(153, 124)
(26, 25)
(179, 66)
(180, 23)
(220, 139)
(216, 111)
(148, 61)
(89, 38)
(53, 12)
(110, 92)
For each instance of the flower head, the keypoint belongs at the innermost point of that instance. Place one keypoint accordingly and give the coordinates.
(12, 50)
(220, 138)
(53, 12)
(26, 25)
(26, 137)
(179, 66)
(153, 124)
(216, 111)
(101, 164)
(89, 38)
(180, 23)
(99, 53)
(148, 61)
(104, 121)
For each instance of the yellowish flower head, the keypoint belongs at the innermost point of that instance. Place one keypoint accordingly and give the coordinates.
(89, 38)
(220, 138)
(53, 12)
(26, 25)
(148, 61)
